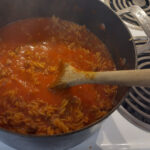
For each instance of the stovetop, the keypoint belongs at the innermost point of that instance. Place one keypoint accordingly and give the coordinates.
(117, 5)
(117, 134)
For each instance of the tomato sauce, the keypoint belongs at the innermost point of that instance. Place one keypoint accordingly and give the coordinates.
(31, 52)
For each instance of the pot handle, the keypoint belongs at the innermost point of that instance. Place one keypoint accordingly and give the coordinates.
(143, 20)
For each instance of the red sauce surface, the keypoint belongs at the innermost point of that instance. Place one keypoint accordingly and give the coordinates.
(31, 51)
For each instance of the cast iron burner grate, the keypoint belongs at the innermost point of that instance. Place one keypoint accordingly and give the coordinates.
(136, 106)
(117, 5)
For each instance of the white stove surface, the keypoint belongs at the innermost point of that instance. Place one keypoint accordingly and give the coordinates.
(116, 134)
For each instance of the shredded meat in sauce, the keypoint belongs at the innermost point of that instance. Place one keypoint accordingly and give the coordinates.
(31, 51)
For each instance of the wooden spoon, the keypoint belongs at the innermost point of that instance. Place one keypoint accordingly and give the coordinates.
(71, 76)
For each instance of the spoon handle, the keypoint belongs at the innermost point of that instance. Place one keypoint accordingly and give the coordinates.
(123, 77)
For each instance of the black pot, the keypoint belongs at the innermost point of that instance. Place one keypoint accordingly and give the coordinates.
(91, 13)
